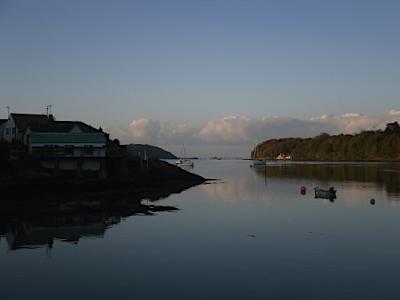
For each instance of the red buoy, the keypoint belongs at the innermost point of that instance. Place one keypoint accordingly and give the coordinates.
(303, 190)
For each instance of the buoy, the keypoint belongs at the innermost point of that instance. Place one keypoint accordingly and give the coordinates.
(303, 190)
(372, 201)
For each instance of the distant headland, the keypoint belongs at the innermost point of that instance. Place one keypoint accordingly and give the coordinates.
(378, 145)
(150, 151)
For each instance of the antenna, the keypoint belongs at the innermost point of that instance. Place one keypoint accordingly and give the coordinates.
(48, 109)
(8, 111)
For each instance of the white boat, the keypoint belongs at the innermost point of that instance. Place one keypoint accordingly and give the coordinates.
(184, 162)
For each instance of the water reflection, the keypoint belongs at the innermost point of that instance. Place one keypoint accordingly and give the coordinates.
(236, 188)
(230, 190)
(356, 183)
(40, 225)
(381, 175)
(245, 237)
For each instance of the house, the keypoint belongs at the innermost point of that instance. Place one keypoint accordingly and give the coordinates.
(283, 156)
(2, 126)
(59, 145)
(65, 145)
(17, 124)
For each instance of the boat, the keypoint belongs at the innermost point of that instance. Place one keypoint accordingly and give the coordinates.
(216, 158)
(184, 162)
(325, 194)
(259, 163)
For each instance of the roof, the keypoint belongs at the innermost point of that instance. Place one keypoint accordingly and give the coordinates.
(86, 128)
(3, 121)
(62, 126)
(67, 138)
(23, 121)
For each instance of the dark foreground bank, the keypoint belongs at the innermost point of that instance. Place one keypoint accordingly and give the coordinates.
(157, 179)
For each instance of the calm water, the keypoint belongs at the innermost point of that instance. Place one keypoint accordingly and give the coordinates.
(251, 236)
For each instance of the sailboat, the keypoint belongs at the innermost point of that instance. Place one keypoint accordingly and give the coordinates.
(183, 161)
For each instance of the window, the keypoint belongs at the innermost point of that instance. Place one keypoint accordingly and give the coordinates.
(49, 150)
(88, 150)
(13, 130)
(69, 150)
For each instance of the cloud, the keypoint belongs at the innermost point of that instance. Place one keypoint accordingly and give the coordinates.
(244, 131)
(241, 130)
(352, 122)
(149, 131)
(393, 112)
(351, 115)
(145, 131)
(229, 130)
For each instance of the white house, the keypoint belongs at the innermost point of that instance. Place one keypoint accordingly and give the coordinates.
(16, 125)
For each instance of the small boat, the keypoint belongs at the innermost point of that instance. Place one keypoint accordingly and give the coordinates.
(325, 194)
(183, 162)
(259, 163)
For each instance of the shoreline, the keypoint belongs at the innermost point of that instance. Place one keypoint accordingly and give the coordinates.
(328, 161)
(159, 178)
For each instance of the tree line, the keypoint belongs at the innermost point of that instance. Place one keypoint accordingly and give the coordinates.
(365, 146)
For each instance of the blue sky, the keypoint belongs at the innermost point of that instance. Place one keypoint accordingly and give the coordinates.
(189, 62)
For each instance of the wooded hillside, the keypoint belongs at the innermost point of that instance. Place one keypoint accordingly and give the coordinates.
(365, 146)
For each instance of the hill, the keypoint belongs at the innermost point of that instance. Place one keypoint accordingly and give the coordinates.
(152, 151)
(364, 146)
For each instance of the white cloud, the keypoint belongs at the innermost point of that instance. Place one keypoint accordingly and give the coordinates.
(145, 131)
(393, 112)
(354, 122)
(351, 115)
(230, 130)
(240, 130)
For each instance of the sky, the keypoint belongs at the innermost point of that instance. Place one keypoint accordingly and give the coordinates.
(217, 76)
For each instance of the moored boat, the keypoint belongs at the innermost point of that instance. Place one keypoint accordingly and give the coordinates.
(184, 162)
(325, 194)
(259, 163)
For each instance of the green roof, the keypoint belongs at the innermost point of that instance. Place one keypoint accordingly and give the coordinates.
(67, 138)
